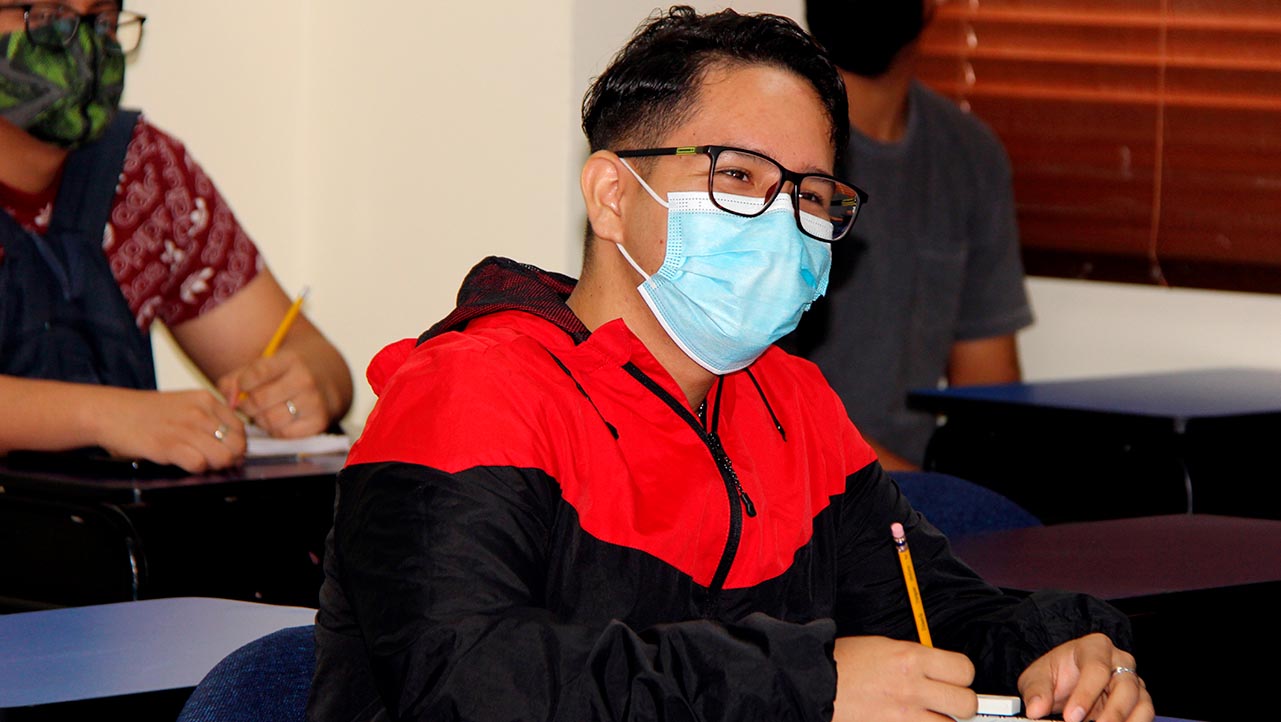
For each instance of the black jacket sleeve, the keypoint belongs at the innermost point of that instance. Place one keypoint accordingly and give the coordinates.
(443, 574)
(1001, 633)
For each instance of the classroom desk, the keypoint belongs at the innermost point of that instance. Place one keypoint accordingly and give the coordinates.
(1202, 592)
(65, 655)
(108, 650)
(254, 533)
(1116, 446)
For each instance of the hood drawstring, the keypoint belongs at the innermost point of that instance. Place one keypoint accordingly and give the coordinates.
(714, 427)
(777, 424)
(613, 431)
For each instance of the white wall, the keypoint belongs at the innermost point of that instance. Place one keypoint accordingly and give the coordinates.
(376, 152)
(1086, 328)
(437, 138)
(229, 89)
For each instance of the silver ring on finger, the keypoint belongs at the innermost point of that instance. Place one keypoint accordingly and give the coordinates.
(220, 433)
(1124, 670)
(293, 410)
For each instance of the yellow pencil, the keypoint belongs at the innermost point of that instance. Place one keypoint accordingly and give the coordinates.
(279, 336)
(274, 344)
(909, 576)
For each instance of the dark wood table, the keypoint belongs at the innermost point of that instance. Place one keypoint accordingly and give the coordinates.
(1118, 446)
(74, 534)
(1202, 592)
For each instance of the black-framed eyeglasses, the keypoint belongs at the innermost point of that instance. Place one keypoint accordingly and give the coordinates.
(54, 25)
(825, 207)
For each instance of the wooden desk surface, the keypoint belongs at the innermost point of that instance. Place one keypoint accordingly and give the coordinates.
(1198, 589)
(1123, 558)
(107, 650)
(1178, 395)
(1120, 446)
(122, 490)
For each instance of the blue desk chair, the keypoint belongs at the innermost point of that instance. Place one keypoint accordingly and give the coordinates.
(266, 680)
(959, 507)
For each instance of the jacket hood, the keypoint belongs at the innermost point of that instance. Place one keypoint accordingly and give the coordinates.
(492, 286)
(501, 284)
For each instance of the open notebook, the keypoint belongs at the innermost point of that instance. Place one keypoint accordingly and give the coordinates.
(262, 446)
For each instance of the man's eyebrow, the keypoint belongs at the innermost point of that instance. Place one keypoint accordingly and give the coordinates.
(761, 151)
(816, 170)
(810, 170)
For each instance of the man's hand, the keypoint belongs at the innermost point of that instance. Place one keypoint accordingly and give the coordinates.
(1080, 679)
(168, 427)
(885, 680)
(281, 395)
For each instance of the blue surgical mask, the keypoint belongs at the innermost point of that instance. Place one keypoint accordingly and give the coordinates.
(730, 285)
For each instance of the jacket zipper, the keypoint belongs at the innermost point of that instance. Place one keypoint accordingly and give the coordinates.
(727, 468)
(738, 499)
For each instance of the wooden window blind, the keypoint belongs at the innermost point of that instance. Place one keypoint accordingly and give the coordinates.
(1145, 135)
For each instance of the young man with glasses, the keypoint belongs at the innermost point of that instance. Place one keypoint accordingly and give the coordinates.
(109, 224)
(615, 499)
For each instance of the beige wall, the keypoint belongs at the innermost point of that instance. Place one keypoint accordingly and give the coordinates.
(376, 152)
(1086, 328)
(225, 85)
(373, 154)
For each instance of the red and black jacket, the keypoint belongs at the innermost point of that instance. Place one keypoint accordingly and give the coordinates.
(535, 526)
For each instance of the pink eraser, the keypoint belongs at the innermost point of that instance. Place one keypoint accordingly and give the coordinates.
(897, 530)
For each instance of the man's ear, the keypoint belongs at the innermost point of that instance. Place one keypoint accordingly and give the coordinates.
(602, 195)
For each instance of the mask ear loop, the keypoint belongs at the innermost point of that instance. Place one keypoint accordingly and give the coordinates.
(633, 263)
(660, 202)
(644, 185)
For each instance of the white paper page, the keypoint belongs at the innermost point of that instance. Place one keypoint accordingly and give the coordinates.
(261, 445)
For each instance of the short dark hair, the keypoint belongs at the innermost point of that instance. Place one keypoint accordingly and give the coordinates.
(651, 84)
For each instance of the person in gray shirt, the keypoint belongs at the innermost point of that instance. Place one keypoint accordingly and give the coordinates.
(936, 291)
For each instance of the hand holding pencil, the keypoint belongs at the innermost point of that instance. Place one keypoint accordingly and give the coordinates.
(278, 392)
(279, 336)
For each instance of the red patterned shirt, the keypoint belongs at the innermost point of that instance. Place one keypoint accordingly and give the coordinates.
(173, 244)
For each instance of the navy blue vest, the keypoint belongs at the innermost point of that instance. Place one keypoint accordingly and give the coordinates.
(62, 314)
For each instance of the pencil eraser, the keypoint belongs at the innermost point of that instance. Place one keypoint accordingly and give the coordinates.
(1000, 705)
(897, 530)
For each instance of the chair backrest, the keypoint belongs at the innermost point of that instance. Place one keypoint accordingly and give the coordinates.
(265, 680)
(67, 554)
(959, 507)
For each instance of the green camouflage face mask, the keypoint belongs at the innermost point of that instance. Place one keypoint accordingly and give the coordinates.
(66, 96)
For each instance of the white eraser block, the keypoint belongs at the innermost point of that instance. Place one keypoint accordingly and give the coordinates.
(998, 704)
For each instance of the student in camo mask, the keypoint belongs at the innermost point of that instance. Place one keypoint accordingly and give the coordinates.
(109, 225)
